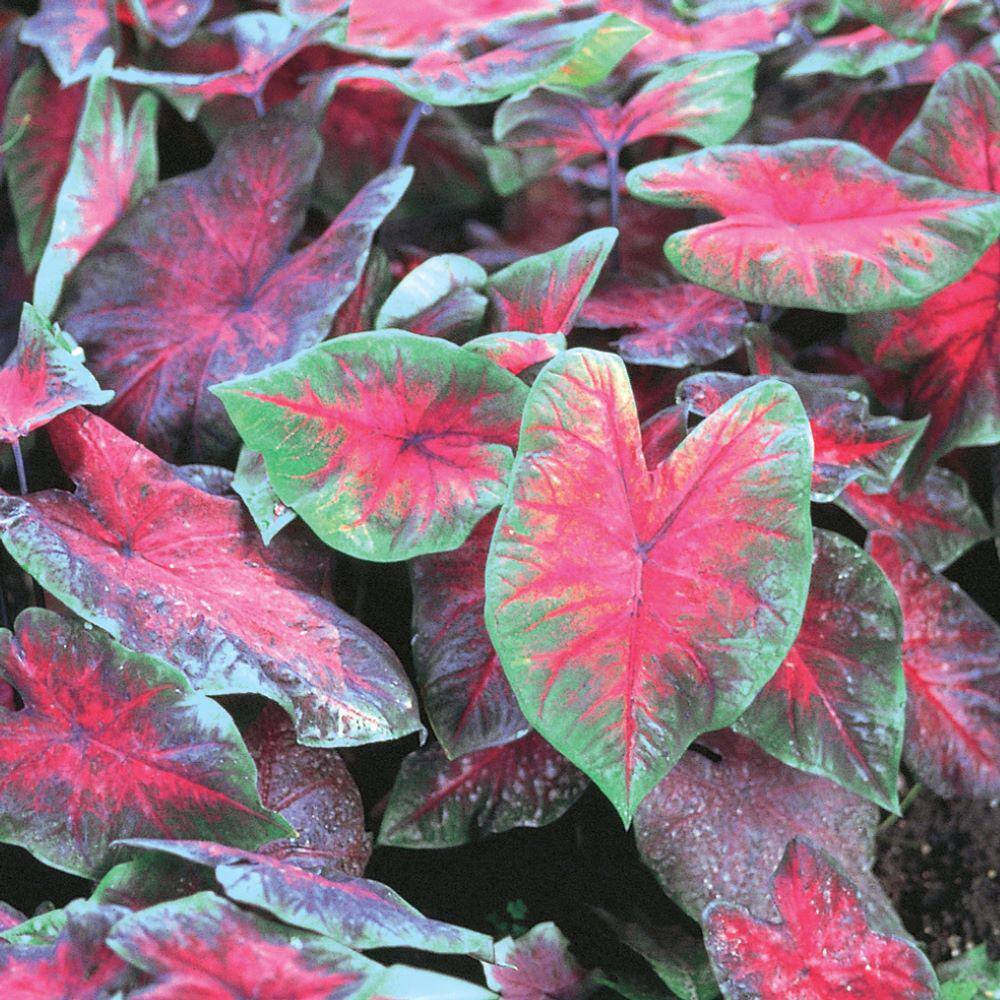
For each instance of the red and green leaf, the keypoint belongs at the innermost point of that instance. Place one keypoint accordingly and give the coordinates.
(822, 948)
(314, 792)
(538, 965)
(160, 335)
(113, 744)
(43, 377)
(388, 445)
(856, 55)
(672, 325)
(873, 238)
(254, 488)
(545, 292)
(205, 947)
(951, 659)
(717, 825)
(917, 19)
(437, 802)
(663, 625)
(357, 912)
(175, 572)
(112, 165)
(662, 433)
(169, 21)
(520, 353)
(836, 706)
(71, 34)
(464, 691)
(951, 342)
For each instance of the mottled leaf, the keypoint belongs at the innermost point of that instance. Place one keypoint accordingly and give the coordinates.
(537, 966)
(71, 34)
(518, 352)
(663, 624)
(265, 506)
(917, 19)
(172, 571)
(822, 948)
(951, 659)
(856, 55)
(159, 333)
(387, 444)
(437, 802)
(876, 239)
(43, 377)
(170, 21)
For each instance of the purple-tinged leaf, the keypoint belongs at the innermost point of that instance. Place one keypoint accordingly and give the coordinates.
(856, 55)
(822, 948)
(113, 744)
(951, 659)
(403, 982)
(388, 445)
(169, 21)
(9, 917)
(160, 334)
(172, 571)
(538, 966)
(664, 624)
(939, 521)
(313, 790)
(836, 706)
(71, 34)
(151, 878)
(357, 912)
(437, 802)
(254, 488)
(717, 828)
(672, 325)
(878, 239)
(662, 433)
(43, 377)
(544, 293)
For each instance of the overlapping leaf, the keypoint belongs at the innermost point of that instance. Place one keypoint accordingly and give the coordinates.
(388, 444)
(251, 483)
(173, 571)
(662, 624)
(520, 353)
(538, 964)
(437, 802)
(858, 54)
(43, 377)
(159, 333)
(71, 34)
(818, 224)
(823, 947)
(170, 21)
(836, 705)
(951, 659)
(917, 19)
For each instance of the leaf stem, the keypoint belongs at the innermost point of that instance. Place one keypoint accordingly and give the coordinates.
(614, 201)
(403, 142)
(22, 478)
(903, 806)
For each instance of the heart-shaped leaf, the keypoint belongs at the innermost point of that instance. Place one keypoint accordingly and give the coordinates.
(951, 659)
(112, 744)
(437, 802)
(823, 947)
(169, 21)
(72, 34)
(160, 335)
(43, 377)
(665, 624)
(175, 572)
(836, 706)
(538, 965)
(388, 444)
(877, 239)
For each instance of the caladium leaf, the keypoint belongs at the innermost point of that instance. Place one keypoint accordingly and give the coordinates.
(716, 829)
(836, 706)
(538, 965)
(9, 917)
(113, 164)
(856, 55)
(518, 352)
(970, 976)
(939, 521)
(663, 626)
(43, 377)
(951, 658)
(160, 335)
(113, 744)
(467, 697)
(149, 879)
(388, 444)
(823, 946)
(880, 239)
(402, 982)
(704, 99)
(172, 571)
(71, 34)
(251, 483)
(74, 964)
(313, 790)
(918, 19)
(40, 123)
(952, 341)
(662, 433)
(170, 21)
(673, 325)
(204, 946)
(437, 802)
(544, 293)
(357, 912)
(849, 445)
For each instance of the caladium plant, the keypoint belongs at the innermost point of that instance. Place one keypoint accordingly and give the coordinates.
(498, 499)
